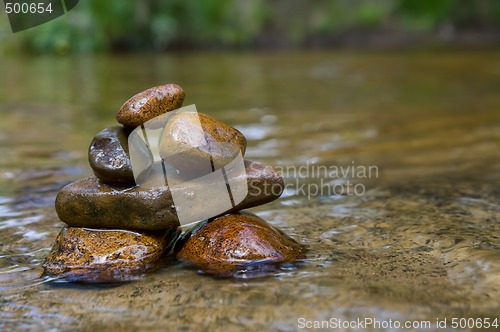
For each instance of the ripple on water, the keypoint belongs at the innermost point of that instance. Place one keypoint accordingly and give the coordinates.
(28, 226)
(17, 222)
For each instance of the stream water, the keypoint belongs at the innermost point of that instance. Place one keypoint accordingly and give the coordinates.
(419, 241)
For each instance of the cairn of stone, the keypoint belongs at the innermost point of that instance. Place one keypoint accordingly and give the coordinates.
(118, 230)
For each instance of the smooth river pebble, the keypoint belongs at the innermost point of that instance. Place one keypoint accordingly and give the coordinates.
(233, 241)
(97, 255)
(90, 203)
(149, 104)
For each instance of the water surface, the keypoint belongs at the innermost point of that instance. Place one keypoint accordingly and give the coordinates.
(421, 243)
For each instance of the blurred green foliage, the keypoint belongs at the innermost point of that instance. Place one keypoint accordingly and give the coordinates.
(156, 25)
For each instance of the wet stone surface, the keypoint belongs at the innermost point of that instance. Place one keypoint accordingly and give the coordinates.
(90, 203)
(265, 185)
(109, 157)
(149, 104)
(98, 255)
(186, 147)
(234, 241)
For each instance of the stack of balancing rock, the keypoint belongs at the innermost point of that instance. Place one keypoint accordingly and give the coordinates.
(119, 230)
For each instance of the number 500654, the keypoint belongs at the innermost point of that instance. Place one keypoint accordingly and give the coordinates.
(25, 8)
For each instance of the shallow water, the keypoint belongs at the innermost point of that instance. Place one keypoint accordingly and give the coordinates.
(421, 242)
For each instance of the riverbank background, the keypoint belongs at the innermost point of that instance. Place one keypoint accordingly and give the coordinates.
(95, 26)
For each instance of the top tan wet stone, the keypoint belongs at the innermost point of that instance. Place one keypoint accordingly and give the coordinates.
(191, 139)
(149, 104)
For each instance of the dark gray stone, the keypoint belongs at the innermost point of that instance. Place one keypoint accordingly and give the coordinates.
(109, 157)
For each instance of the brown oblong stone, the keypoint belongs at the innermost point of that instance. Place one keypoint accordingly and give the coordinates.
(149, 104)
(96, 255)
(109, 156)
(230, 242)
(90, 203)
(264, 185)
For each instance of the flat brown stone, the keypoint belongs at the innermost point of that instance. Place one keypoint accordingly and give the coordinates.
(96, 255)
(90, 203)
(149, 104)
(264, 185)
(231, 242)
